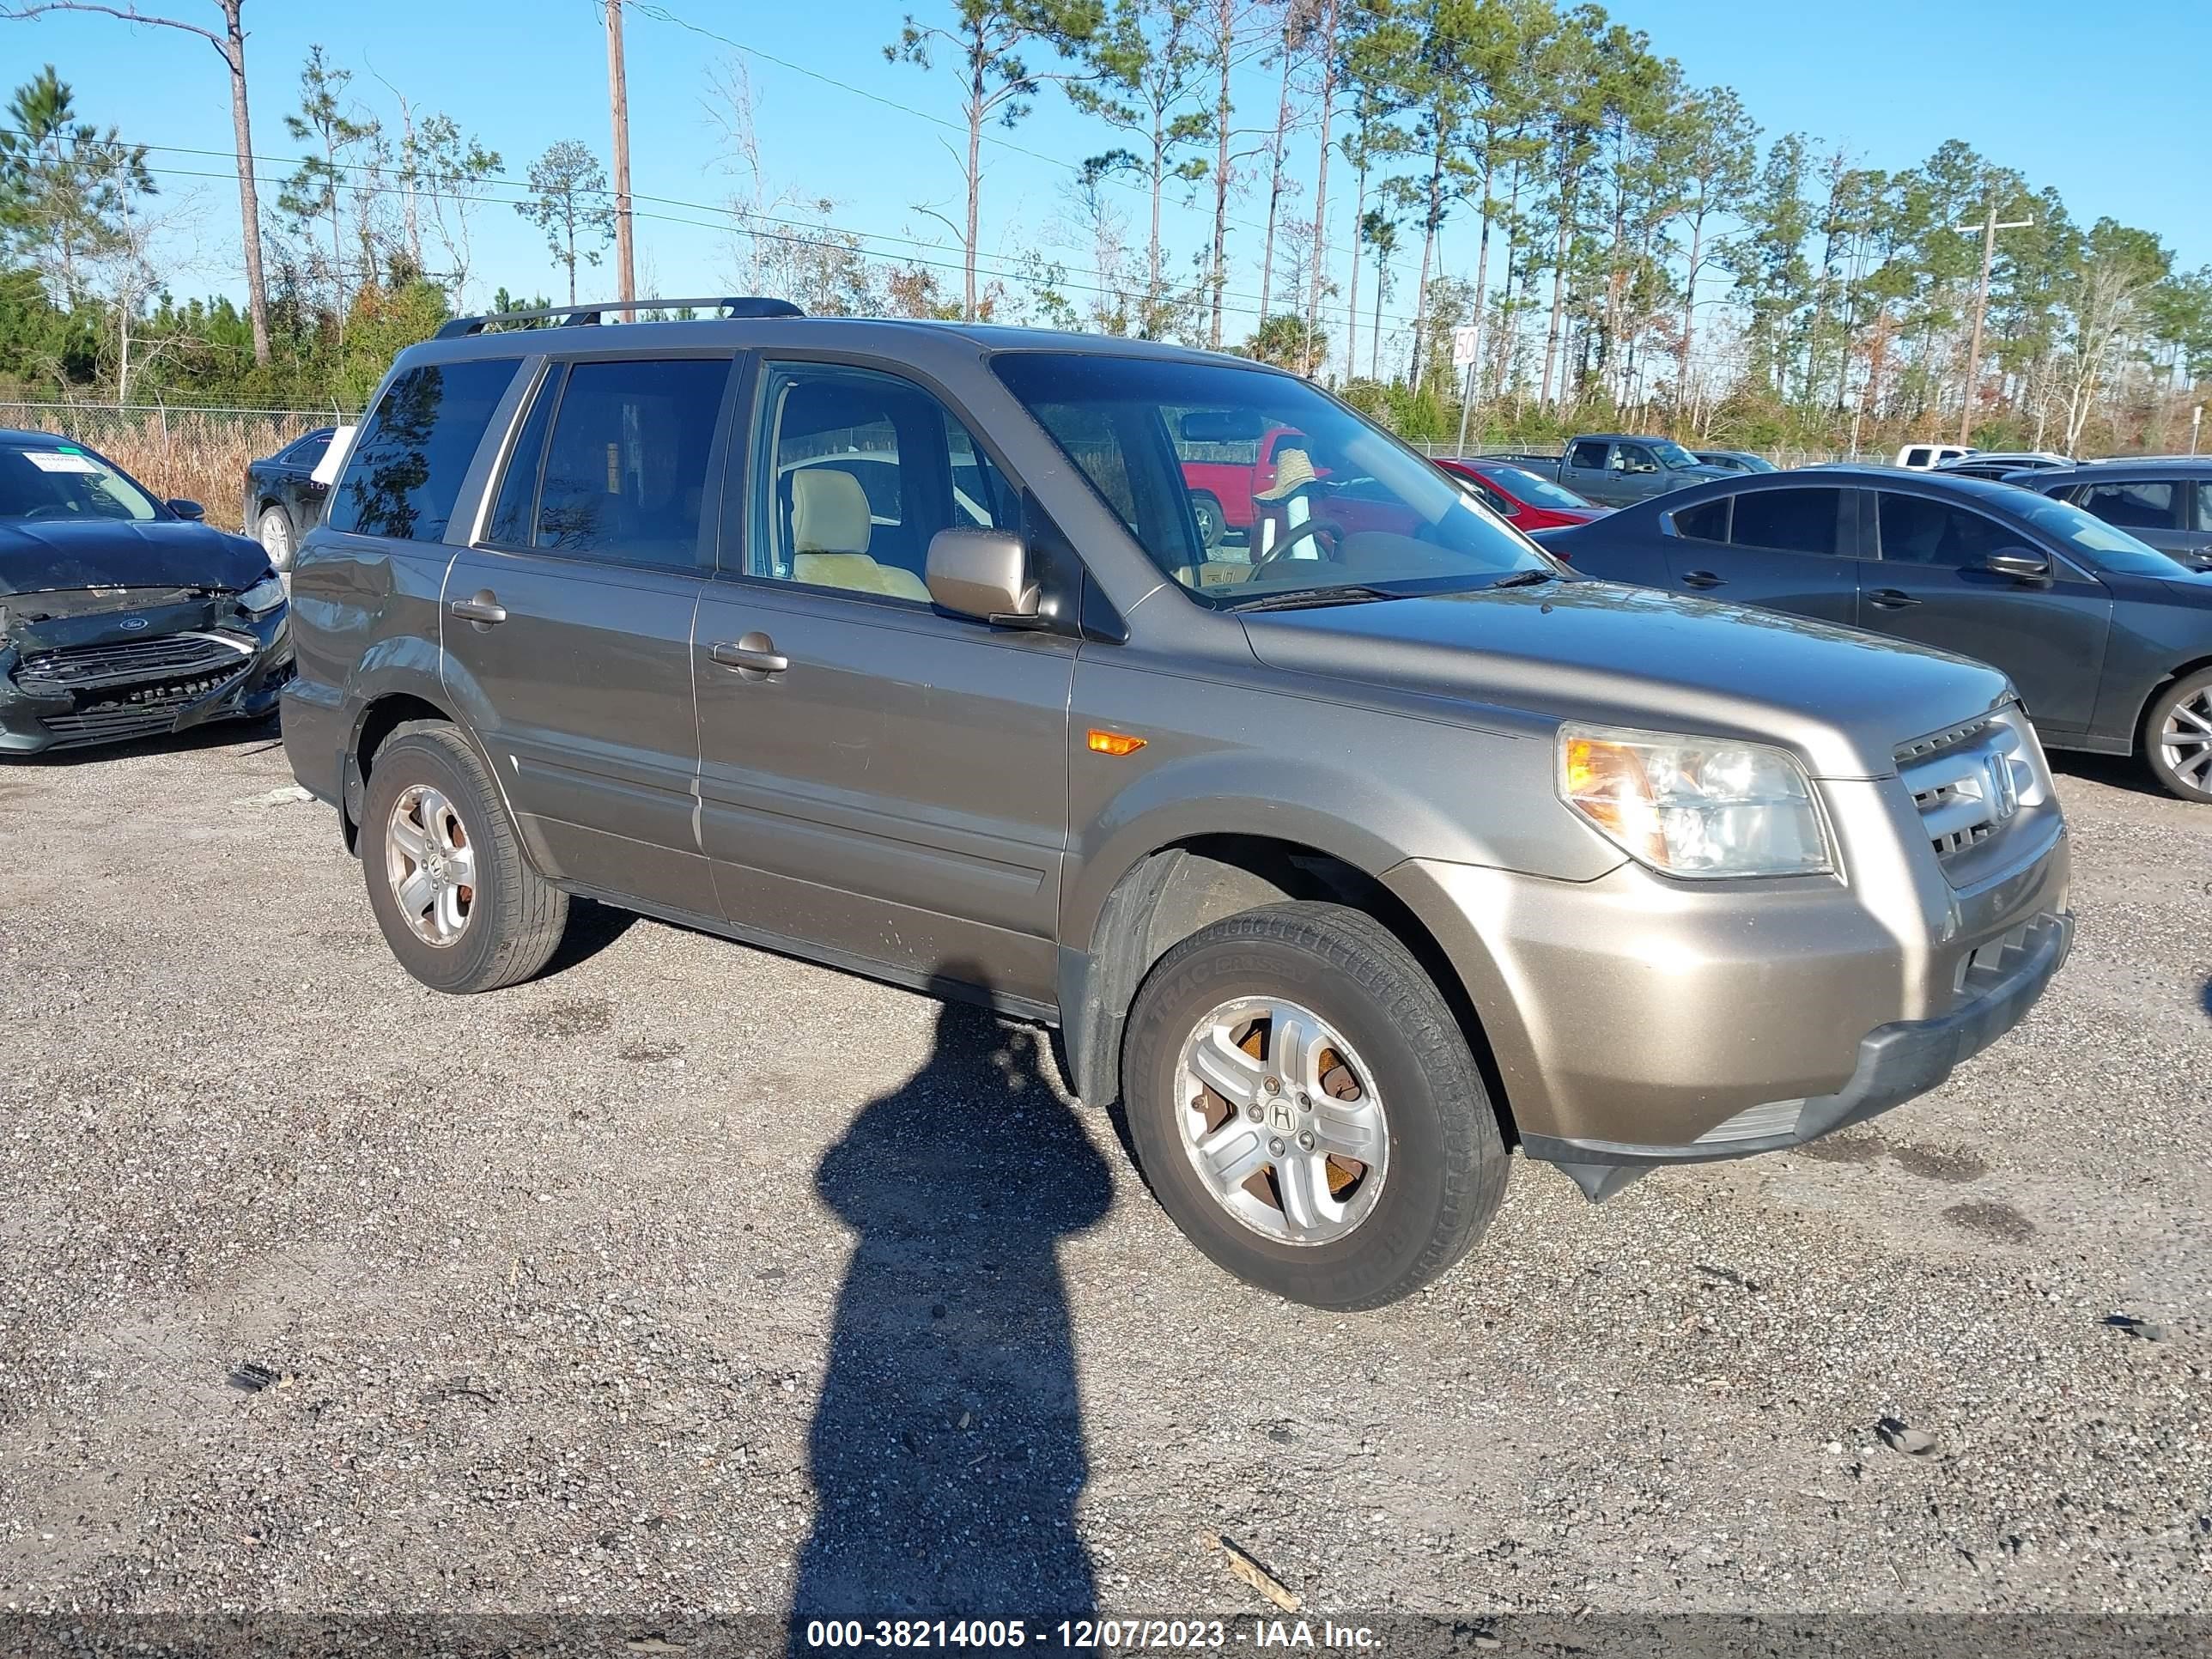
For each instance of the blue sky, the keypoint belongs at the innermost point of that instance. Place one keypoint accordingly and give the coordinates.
(2070, 99)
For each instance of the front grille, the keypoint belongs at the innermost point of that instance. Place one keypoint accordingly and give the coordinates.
(174, 656)
(1969, 782)
(111, 723)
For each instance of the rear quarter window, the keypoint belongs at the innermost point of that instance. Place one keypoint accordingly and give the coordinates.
(1708, 521)
(404, 475)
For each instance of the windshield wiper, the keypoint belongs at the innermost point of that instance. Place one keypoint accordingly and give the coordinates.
(1296, 598)
(1526, 579)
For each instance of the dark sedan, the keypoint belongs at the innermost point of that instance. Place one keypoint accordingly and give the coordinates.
(2164, 503)
(2108, 641)
(283, 498)
(122, 615)
(1734, 460)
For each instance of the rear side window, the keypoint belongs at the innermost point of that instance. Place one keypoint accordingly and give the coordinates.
(625, 469)
(308, 451)
(1787, 520)
(1587, 455)
(405, 471)
(2140, 504)
(1708, 521)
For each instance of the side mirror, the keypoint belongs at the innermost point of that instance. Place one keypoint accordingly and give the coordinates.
(184, 509)
(982, 574)
(2017, 563)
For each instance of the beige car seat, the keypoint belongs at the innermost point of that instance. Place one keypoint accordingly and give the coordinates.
(829, 529)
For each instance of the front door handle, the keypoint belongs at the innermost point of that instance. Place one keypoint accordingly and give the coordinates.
(1889, 598)
(1703, 579)
(485, 610)
(753, 655)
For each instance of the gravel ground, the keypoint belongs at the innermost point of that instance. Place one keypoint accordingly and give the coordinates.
(689, 1277)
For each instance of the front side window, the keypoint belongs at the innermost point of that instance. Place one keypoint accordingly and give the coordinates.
(856, 471)
(1787, 520)
(1639, 458)
(2140, 504)
(66, 483)
(405, 474)
(1346, 506)
(2203, 490)
(1917, 530)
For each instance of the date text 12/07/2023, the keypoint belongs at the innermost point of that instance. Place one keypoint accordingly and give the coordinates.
(1165, 1635)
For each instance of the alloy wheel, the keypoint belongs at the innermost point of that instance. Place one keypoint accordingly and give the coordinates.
(431, 863)
(1281, 1120)
(2185, 739)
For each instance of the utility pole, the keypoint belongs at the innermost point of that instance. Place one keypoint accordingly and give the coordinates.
(618, 100)
(1990, 229)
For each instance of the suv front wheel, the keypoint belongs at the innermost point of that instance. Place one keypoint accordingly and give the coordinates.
(1306, 1109)
(458, 902)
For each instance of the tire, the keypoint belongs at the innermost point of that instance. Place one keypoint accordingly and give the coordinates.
(273, 530)
(2177, 736)
(1443, 1164)
(509, 917)
(1212, 523)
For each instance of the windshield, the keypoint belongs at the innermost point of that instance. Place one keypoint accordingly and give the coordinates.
(2101, 544)
(1674, 456)
(66, 484)
(1243, 482)
(1536, 491)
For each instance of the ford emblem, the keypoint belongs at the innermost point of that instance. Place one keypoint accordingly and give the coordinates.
(136, 625)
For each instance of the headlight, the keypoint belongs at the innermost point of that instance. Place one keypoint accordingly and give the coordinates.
(1694, 806)
(264, 597)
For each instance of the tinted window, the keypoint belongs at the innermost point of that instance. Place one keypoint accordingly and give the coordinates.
(1917, 530)
(1587, 455)
(1708, 521)
(2139, 505)
(2203, 505)
(626, 463)
(516, 507)
(858, 471)
(1789, 520)
(406, 468)
(308, 451)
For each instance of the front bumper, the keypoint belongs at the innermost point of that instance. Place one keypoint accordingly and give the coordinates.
(1896, 1062)
(1635, 1021)
(41, 711)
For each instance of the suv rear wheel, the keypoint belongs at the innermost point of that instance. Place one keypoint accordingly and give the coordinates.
(2177, 736)
(1306, 1109)
(458, 905)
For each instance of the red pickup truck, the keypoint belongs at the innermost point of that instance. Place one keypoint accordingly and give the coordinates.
(1221, 491)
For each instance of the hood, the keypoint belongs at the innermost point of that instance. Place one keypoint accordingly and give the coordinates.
(1636, 657)
(41, 555)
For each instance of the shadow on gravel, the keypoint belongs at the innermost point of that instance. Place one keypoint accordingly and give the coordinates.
(947, 1448)
(2114, 771)
(592, 927)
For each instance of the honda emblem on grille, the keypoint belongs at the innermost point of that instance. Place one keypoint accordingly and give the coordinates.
(2004, 791)
(134, 625)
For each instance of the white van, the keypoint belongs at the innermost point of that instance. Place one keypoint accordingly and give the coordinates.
(1921, 457)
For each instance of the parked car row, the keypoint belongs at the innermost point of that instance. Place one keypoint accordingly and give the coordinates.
(1335, 824)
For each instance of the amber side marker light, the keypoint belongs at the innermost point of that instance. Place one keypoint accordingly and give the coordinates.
(1113, 743)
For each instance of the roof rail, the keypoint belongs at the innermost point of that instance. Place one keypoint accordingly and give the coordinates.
(570, 316)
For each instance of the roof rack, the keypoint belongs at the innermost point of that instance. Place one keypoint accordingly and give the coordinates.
(570, 316)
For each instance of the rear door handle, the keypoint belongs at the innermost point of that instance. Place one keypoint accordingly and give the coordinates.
(1703, 579)
(1889, 598)
(483, 610)
(753, 655)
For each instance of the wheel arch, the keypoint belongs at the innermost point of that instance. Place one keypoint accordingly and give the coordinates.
(2159, 688)
(1173, 890)
(380, 716)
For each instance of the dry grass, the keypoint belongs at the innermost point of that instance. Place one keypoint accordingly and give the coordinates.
(198, 454)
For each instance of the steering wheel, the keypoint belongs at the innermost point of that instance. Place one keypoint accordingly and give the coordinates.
(1314, 528)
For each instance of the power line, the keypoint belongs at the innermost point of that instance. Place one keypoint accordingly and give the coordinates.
(731, 219)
